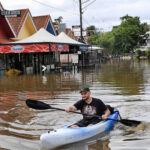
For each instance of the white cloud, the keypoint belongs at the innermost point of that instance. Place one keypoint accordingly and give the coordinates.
(56, 2)
(102, 13)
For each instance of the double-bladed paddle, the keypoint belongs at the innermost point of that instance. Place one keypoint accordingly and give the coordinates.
(42, 106)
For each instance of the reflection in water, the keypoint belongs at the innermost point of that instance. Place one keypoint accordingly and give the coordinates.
(125, 76)
(125, 85)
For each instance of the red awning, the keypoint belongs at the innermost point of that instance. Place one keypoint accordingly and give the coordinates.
(32, 48)
(35, 48)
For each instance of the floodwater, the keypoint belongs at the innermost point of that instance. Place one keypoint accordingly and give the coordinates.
(122, 84)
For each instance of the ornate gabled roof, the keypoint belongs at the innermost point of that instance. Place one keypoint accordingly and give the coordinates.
(41, 21)
(44, 22)
(17, 22)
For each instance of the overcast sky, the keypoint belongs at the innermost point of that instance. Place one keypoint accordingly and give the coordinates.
(104, 14)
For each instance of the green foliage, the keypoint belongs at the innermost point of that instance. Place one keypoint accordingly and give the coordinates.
(107, 40)
(128, 34)
(92, 27)
(93, 39)
(137, 52)
(147, 52)
(124, 38)
(58, 20)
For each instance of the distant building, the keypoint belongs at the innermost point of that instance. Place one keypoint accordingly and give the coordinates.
(77, 33)
(69, 33)
(61, 28)
(147, 44)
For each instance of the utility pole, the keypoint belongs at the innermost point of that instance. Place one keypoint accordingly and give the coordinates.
(81, 31)
(88, 2)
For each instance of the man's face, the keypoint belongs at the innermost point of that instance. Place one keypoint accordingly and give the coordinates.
(85, 95)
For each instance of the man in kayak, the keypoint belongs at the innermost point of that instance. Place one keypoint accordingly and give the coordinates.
(89, 105)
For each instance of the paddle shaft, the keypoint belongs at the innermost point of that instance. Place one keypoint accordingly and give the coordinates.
(131, 123)
(85, 114)
(43, 106)
(74, 112)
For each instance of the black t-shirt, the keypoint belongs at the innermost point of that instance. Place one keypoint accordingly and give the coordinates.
(96, 107)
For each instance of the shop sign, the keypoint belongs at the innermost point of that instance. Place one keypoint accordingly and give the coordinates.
(17, 47)
(83, 47)
(13, 13)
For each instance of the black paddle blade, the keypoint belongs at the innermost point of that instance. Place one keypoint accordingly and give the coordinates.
(37, 104)
(131, 123)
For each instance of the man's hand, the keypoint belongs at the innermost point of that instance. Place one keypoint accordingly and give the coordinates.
(71, 108)
(67, 109)
(107, 113)
(104, 116)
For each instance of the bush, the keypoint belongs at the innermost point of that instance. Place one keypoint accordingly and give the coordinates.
(147, 52)
(137, 52)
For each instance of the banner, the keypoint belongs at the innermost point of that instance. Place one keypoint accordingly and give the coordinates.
(35, 48)
(59, 47)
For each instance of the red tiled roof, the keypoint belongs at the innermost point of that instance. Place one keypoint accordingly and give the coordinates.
(41, 21)
(17, 22)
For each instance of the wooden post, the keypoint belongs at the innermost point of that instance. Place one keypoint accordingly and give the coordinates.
(50, 55)
(68, 60)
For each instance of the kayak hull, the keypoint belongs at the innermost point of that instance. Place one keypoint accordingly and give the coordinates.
(65, 135)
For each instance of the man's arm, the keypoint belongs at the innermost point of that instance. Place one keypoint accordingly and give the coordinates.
(70, 108)
(107, 113)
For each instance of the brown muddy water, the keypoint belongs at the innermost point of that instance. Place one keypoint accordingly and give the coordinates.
(124, 84)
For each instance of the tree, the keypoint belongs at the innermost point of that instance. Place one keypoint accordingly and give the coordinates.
(129, 34)
(106, 40)
(93, 39)
(92, 27)
(126, 37)
(58, 20)
(91, 30)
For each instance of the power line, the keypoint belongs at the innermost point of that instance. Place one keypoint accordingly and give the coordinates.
(55, 7)
(81, 3)
(88, 4)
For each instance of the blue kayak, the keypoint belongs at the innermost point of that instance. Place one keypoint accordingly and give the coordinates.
(66, 135)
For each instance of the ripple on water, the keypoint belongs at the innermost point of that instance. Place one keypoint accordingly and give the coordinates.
(123, 85)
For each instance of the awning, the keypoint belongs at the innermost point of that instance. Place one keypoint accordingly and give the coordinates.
(63, 38)
(33, 48)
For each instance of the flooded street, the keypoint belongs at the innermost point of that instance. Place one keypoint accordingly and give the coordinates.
(124, 84)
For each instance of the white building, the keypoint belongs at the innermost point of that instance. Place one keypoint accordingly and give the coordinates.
(76, 31)
(147, 46)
